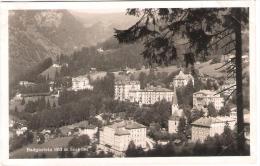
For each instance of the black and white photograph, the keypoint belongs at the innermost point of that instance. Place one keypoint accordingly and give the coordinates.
(129, 82)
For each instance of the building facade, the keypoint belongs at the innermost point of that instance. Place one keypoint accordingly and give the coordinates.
(118, 135)
(122, 88)
(177, 114)
(81, 83)
(206, 127)
(151, 95)
(182, 80)
(209, 126)
(26, 83)
(202, 98)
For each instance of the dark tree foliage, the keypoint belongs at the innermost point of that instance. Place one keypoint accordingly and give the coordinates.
(35, 106)
(162, 150)
(78, 142)
(42, 138)
(19, 141)
(105, 85)
(157, 113)
(212, 110)
(182, 126)
(102, 154)
(43, 155)
(156, 79)
(219, 145)
(205, 29)
(32, 73)
(224, 111)
(81, 154)
(195, 115)
(23, 101)
(133, 151)
(38, 88)
(62, 154)
(185, 94)
(110, 60)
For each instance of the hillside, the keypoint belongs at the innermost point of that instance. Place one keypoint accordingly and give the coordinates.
(35, 35)
(100, 26)
(51, 72)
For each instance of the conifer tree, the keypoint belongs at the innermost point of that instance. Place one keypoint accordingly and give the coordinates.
(204, 29)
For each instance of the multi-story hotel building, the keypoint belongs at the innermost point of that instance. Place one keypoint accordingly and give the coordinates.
(122, 88)
(209, 126)
(202, 98)
(182, 79)
(81, 83)
(150, 95)
(118, 135)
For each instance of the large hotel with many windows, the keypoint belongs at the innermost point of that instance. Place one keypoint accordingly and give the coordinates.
(117, 136)
(203, 98)
(130, 91)
(122, 88)
(151, 95)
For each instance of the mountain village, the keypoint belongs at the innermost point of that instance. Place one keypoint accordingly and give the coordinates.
(96, 85)
(113, 135)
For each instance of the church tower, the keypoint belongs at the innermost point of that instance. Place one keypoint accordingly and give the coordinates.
(177, 113)
(175, 106)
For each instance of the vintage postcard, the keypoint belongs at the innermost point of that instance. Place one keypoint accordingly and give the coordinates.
(128, 81)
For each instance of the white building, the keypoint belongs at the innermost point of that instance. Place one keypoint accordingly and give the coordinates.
(122, 88)
(245, 58)
(21, 131)
(56, 65)
(118, 135)
(177, 114)
(209, 126)
(100, 50)
(150, 95)
(26, 83)
(205, 127)
(182, 79)
(202, 98)
(89, 130)
(81, 83)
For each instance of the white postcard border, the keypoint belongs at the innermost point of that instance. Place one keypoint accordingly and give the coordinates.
(245, 160)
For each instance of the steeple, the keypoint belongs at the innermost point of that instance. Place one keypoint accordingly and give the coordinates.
(176, 111)
(175, 106)
(174, 98)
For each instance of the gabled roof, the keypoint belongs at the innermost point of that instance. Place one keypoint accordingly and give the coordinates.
(122, 132)
(80, 78)
(206, 121)
(157, 89)
(125, 80)
(128, 124)
(207, 93)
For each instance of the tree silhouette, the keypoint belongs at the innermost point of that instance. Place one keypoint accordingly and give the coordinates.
(133, 151)
(23, 101)
(203, 29)
(212, 110)
(181, 126)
